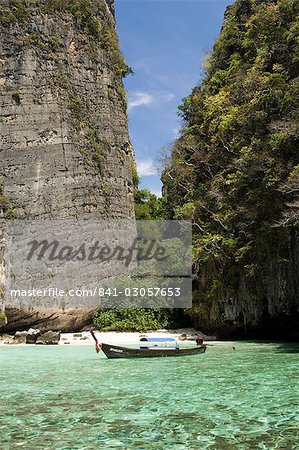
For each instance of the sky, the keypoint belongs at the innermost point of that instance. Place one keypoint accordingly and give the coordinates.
(165, 42)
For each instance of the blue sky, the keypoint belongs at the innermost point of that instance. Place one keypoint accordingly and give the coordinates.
(164, 41)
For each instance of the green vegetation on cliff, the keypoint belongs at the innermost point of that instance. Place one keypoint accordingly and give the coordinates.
(235, 169)
(89, 16)
(6, 207)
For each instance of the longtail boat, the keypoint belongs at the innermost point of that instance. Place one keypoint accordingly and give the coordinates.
(146, 349)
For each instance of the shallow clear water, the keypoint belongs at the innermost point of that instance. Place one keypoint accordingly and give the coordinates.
(68, 398)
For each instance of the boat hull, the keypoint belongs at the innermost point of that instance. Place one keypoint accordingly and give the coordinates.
(114, 351)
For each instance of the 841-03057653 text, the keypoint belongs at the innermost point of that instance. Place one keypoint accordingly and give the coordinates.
(141, 292)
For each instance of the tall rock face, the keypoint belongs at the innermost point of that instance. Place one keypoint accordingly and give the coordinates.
(65, 149)
(64, 144)
(235, 172)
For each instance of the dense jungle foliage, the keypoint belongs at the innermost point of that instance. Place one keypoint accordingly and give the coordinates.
(148, 206)
(235, 169)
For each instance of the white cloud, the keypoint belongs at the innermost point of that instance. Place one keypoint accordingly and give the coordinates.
(146, 168)
(139, 99)
(168, 97)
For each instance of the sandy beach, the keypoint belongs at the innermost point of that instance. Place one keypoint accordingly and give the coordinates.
(130, 338)
(120, 338)
(123, 338)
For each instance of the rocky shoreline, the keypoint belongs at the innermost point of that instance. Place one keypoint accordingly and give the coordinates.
(36, 337)
(32, 336)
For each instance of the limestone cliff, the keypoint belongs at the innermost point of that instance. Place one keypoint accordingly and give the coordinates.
(64, 143)
(235, 173)
(65, 150)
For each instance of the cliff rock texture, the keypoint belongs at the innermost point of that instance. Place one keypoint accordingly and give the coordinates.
(64, 145)
(235, 173)
(65, 150)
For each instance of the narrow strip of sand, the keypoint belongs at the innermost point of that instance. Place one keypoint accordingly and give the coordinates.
(127, 338)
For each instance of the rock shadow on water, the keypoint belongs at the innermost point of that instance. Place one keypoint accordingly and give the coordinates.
(288, 347)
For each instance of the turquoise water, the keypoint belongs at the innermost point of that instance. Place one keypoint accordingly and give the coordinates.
(68, 398)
